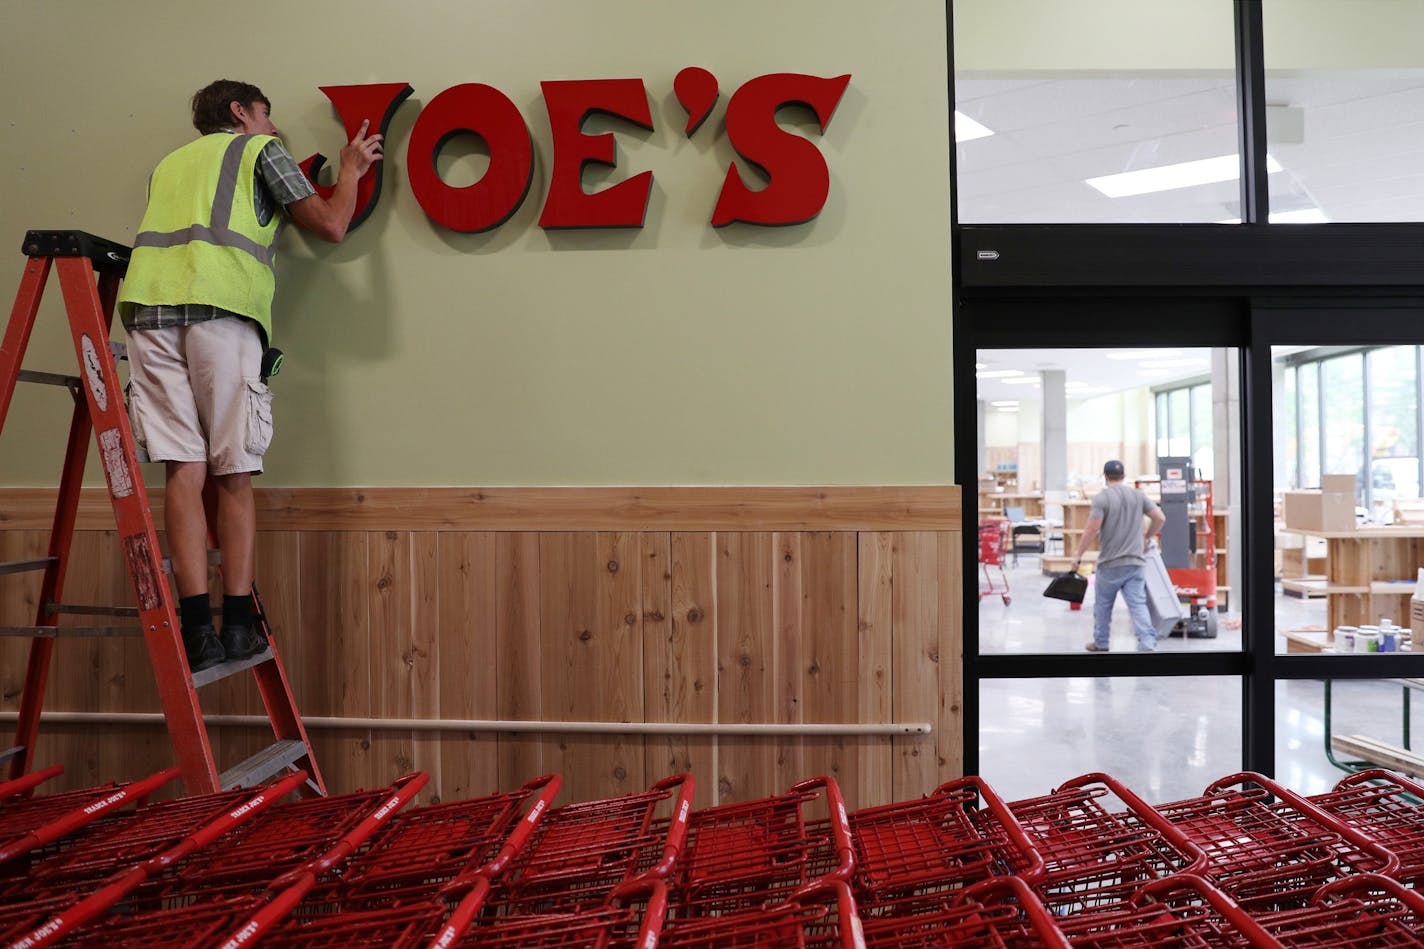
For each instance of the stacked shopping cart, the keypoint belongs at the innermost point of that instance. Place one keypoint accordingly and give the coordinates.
(1090, 864)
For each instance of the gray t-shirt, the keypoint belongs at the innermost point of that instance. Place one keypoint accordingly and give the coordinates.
(1121, 509)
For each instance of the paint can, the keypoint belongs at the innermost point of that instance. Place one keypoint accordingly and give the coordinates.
(1345, 638)
(1367, 639)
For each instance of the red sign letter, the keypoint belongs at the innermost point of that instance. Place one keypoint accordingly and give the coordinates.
(569, 103)
(484, 111)
(378, 103)
(799, 179)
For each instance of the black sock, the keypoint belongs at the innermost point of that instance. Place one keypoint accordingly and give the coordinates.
(237, 610)
(194, 611)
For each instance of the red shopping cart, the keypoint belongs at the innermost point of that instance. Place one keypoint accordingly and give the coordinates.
(1272, 855)
(630, 916)
(1182, 910)
(991, 554)
(580, 852)
(758, 853)
(1387, 807)
(217, 888)
(33, 822)
(917, 851)
(1366, 911)
(820, 915)
(997, 913)
(1095, 859)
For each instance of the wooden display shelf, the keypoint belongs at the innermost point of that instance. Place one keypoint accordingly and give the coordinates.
(1303, 587)
(1365, 571)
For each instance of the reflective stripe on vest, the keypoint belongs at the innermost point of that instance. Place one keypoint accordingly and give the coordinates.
(218, 232)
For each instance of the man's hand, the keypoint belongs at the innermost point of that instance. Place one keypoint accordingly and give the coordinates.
(327, 218)
(362, 151)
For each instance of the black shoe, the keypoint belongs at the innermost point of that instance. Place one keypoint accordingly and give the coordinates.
(240, 642)
(203, 649)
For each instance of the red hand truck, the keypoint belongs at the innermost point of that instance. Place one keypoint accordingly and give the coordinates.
(991, 554)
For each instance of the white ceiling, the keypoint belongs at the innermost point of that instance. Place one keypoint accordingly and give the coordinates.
(1088, 372)
(1351, 145)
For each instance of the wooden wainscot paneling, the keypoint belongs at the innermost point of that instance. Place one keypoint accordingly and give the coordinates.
(503, 606)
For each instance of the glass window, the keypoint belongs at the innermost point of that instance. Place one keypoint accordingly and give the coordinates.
(1165, 738)
(1343, 588)
(1309, 382)
(1343, 81)
(1133, 121)
(1201, 430)
(1394, 429)
(1342, 380)
(1327, 730)
(1030, 530)
(1179, 408)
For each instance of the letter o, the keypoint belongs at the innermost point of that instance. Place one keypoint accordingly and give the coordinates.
(484, 111)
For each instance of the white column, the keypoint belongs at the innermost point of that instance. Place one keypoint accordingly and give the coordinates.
(981, 464)
(1226, 447)
(1055, 429)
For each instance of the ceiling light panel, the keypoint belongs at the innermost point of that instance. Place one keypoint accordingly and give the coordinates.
(1186, 174)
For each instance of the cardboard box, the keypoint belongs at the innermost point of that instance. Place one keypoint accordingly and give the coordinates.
(1329, 509)
(1416, 620)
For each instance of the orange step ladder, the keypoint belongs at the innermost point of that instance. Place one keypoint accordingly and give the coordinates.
(99, 409)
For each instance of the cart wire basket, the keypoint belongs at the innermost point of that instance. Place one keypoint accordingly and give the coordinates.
(1272, 855)
(1387, 807)
(927, 849)
(998, 913)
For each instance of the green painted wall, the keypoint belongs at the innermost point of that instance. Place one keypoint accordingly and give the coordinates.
(674, 354)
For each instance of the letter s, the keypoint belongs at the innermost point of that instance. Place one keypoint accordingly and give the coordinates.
(799, 178)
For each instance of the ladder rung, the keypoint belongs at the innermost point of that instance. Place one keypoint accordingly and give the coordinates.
(26, 566)
(9, 753)
(49, 378)
(65, 632)
(263, 765)
(75, 609)
(224, 669)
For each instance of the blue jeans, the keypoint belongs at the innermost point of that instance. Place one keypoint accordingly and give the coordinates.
(1130, 581)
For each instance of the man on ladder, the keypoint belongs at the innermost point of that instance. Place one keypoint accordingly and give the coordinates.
(197, 304)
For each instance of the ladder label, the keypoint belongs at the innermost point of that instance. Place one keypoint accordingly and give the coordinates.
(141, 569)
(111, 449)
(94, 373)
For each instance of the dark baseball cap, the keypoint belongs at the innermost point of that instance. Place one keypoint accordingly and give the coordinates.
(1113, 469)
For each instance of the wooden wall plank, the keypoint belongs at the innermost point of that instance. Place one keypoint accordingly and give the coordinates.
(949, 726)
(746, 663)
(789, 594)
(680, 642)
(872, 782)
(335, 633)
(516, 638)
(19, 602)
(830, 671)
(467, 667)
(592, 657)
(816, 508)
(915, 660)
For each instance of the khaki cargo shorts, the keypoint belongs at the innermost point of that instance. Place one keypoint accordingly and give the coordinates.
(197, 394)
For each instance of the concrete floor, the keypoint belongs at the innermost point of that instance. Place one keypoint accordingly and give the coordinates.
(1167, 738)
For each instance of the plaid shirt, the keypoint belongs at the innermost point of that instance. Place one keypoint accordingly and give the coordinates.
(278, 182)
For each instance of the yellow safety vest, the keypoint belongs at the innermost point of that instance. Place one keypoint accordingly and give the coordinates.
(200, 241)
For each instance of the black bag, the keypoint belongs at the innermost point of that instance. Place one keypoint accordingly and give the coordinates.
(1068, 586)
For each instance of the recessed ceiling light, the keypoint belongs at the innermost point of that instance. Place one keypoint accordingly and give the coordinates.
(1020, 381)
(967, 130)
(997, 373)
(1143, 353)
(1004, 404)
(1188, 363)
(1009, 408)
(1186, 174)
(978, 365)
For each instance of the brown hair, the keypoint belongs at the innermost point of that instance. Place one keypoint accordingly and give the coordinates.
(212, 104)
